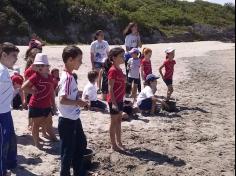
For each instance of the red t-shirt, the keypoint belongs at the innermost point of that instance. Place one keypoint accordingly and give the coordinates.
(169, 67)
(45, 91)
(29, 72)
(119, 85)
(147, 67)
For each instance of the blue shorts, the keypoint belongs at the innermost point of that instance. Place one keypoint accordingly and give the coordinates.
(146, 105)
(168, 82)
(8, 146)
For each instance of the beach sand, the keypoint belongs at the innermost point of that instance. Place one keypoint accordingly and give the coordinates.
(197, 140)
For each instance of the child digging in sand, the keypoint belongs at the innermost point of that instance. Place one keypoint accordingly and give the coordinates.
(8, 147)
(40, 85)
(73, 139)
(90, 93)
(116, 82)
(168, 64)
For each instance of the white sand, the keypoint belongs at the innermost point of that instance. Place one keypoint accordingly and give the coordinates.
(198, 140)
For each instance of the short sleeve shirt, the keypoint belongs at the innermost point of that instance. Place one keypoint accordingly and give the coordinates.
(169, 69)
(119, 86)
(90, 91)
(145, 94)
(6, 90)
(147, 67)
(29, 72)
(100, 50)
(44, 91)
(68, 87)
(134, 65)
(132, 41)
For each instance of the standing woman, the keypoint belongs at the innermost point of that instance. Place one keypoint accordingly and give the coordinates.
(99, 54)
(132, 40)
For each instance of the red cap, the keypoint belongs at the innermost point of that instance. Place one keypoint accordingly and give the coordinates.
(17, 79)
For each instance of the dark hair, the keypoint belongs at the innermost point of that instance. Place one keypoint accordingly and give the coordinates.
(92, 76)
(71, 51)
(8, 48)
(97, 34)
(75, 77)
(128, 29)
(54, 70)
(113, 53)
(29, 53)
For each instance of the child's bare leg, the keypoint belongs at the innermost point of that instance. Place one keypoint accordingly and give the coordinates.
(30, 124)
(118, 132)
(169, 92)
(154, 107)
(134, 91)
(49, 128)
(36, 122)
(113, 132)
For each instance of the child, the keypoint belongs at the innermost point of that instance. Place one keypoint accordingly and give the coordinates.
(134, 64)
(73, 139)
(40, 85)
(99, 52)
(116, 82)
(8, 148)
(18, 98)
(56, 79)
(146, 65)
(168, 64)
(147, 99)
(90, 93)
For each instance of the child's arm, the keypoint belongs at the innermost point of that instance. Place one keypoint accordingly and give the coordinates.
(111, 86)
(65, 101)
(142, 72)
(28, 88)
(21, 93)
(160, 71)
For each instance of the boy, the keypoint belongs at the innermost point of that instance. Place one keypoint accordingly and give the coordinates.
(8, 148)
(90, 93)
(73, 139)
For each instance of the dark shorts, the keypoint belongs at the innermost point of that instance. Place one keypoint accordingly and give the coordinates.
(114, 111)
(146, 105)
(168, 82)
(133, 80)
(98, 104)
(39, 112)
(98, 65)
(104, 83)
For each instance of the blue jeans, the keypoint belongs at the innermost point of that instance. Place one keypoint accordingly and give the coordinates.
(8, 146)
(73, 146)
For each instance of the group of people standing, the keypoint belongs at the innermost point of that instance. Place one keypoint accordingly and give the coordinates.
(37, 89)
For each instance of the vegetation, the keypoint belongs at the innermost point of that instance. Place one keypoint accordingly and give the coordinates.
(23, 17)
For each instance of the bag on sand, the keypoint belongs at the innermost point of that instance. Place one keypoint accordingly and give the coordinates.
(171, 106)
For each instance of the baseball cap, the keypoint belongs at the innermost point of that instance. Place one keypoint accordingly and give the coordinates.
(17, 79)
(169, 50)
(41, 59)
(152, 77)
(134, 51)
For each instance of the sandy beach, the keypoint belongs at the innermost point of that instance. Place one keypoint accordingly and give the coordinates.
(199, 139)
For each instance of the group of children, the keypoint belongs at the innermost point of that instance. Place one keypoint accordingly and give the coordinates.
(36, 91)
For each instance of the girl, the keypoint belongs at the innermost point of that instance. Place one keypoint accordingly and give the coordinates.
(116, 82)
(40, 85)
(168, 64)
(99, 53)
(146, 65)
(147, 101)
(134, 74)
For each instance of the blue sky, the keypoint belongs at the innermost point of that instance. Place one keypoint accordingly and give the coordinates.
(218, 1)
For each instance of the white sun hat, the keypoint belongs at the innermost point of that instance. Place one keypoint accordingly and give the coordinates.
(169, 50)
(41, 59)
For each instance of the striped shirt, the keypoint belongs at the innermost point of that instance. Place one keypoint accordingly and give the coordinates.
(68, 87)
(6, 90)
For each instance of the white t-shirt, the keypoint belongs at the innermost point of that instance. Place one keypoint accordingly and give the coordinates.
(132, 41)
(145, 93)
(100, 50)
(68, 87)
(6, 90)
(90, 91)
(134, 65)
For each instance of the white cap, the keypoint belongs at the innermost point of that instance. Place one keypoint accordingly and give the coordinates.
(169, 50)
(41, 59)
